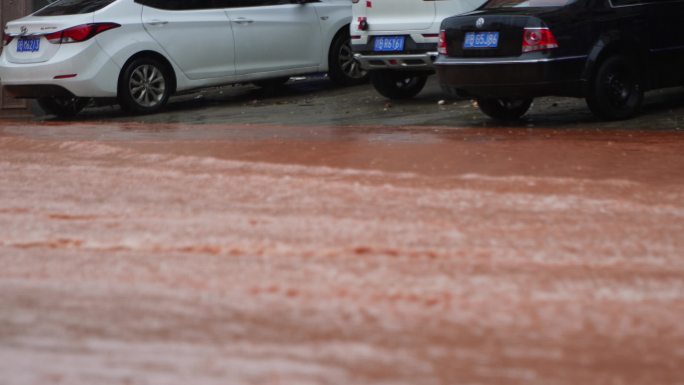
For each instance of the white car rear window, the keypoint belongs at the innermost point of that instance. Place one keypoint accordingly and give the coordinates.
(72, 7)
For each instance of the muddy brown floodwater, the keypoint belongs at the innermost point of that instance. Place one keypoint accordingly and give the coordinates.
(166, 253)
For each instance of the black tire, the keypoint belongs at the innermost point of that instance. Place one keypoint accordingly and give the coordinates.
(63, 107)
(505, 109)
(615, 91)
(343, 68)
(397, 84)
(144, 86)
(271, 83)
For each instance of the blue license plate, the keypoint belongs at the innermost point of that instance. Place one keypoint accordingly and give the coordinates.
(28, 44)
(481, 40)
(388, 44)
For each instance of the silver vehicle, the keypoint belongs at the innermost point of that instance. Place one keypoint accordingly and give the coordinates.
(396, 40)
(140, 52)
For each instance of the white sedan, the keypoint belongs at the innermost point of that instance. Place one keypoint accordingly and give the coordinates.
(143, 51)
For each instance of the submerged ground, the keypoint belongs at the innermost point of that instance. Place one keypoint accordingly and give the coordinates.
(326, 236)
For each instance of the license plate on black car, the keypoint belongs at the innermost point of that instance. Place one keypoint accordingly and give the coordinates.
(481, 40)
(28, 44)
(388, 44)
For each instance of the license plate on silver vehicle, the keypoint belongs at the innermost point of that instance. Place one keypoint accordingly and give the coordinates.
(28, 44)
(388, 44)
(481, 40)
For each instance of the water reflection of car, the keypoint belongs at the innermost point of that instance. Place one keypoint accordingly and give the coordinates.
(607, 51)
(142, 51)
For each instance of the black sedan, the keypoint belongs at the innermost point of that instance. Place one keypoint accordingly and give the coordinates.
(608, 51)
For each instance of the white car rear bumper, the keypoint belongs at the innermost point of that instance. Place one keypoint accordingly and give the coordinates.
(415, 61)
(96, 75)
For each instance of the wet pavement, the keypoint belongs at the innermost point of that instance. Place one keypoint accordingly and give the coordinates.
(326, 236)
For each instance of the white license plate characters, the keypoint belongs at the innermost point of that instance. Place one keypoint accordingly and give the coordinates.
(388, 44)
(28, 44)
(481, 40)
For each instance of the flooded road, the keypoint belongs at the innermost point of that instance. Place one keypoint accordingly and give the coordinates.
(153, 251)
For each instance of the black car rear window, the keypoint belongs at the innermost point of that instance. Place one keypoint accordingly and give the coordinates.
(493, 4)
(73, 7)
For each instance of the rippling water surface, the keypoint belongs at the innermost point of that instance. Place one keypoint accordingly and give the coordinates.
(265, 255)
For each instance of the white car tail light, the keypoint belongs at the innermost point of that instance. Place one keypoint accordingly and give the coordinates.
(79, 33)
(363, 24)
(6, 39)
(538, 39)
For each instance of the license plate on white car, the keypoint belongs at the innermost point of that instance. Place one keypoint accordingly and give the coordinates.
(481, 40)
(388, 44)
(28, 44)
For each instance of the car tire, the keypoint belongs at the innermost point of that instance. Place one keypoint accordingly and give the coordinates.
(63, 107)
(615, 91)
(397, 84)
(343, 68)
(505, 109)
(144, 86)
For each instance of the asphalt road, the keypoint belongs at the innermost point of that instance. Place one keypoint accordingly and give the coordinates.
(325, 236)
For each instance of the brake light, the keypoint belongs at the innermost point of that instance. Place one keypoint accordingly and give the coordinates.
(537, 39)
(442, 44)
(6, 39)
(363, 24)
(79, 33)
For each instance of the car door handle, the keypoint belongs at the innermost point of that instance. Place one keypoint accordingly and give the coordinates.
(157, 22)
(242, 20)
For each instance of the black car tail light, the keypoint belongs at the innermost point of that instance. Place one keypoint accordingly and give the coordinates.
(79, 33)
(538, 39)
(442, 44)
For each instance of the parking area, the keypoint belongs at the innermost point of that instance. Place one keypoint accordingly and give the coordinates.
(316, 101)
(323, 235)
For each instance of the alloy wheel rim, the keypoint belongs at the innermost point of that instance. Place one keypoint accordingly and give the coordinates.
(350, 66)
(407, 83)
(619, 89)
(147, 85)
(510, 104)
(67, 103)
(71, 105)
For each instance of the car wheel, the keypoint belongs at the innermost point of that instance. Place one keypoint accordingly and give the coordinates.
(504, 108)
(343, 68)
(144, 86)
(616, 91)
(271, 83)
(397, 84)
(63, 107)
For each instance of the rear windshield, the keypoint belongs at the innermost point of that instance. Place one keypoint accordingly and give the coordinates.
(73, 7)
(491, 4)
